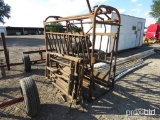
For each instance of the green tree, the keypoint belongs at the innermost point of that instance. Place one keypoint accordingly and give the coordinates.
(4, 11)
(74, 28)
(55, 27)
(58, 27)
(155, 10)
(158, 21)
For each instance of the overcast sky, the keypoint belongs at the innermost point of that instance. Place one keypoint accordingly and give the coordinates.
(31, 13)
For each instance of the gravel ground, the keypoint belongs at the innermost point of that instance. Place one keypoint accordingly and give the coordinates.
(136, 91)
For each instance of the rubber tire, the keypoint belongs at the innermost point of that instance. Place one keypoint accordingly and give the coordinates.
(31, 96)
(27, 63)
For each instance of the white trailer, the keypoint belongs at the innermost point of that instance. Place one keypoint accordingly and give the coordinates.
(131, 32)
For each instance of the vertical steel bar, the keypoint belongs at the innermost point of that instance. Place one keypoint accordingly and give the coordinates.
(48, 41)
(61, 42)
(54, 42)
(89, 7)
(76, 46)
(6, 52)
(57, 41)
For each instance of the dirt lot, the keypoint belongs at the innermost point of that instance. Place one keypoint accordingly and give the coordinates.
(136, 91)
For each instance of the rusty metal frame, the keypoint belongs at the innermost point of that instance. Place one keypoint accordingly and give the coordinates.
(5, 50)
(69, 47)
(7, 58)
(40, 52)
(11, 102)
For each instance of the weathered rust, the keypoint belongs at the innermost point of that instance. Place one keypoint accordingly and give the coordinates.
(7, 58)
(71, 56)
(6, 51)
(11, 102)
(40, 51)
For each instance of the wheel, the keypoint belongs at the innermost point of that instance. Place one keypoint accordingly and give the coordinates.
(27, 63)
(31, 96)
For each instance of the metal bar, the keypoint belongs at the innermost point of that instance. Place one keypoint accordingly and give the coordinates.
(119, 71)
(127, 71)
(5, 51)
(34, 51)
(86, 16)
(100, 48)
(87, 47)
(41, 55)
(103, 34)
(87, 22)
(69, 34)
(57, 42)
(79, 17)
(63, 47)
(107, 46)
(103, 22)
(48, 42)
(71, 58)
(89, 30)
(89, 7)
(110, 21)
(66, 45)
(62, 90)
(11, 102)
(99, 60)
(63, 77)
(136, 56)
(54, 42)
(41, 60)
(70, 45)
(59, 62)
(126, 64)
(20, 63)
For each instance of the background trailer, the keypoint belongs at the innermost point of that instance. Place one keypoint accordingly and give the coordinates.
(21, 30)
(131, 32)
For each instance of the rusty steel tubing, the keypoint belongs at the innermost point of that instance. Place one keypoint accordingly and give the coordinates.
(76, 50)
(89, 15)
(33, 51)
(78, 17)
(71, 58)
(11, 102)
(5, 51)
(89, 7)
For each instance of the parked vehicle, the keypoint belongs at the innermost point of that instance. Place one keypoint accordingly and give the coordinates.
(153, 33)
